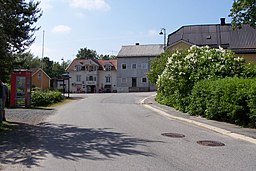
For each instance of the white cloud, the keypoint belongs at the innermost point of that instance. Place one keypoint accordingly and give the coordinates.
(90, 4)
(61, 29)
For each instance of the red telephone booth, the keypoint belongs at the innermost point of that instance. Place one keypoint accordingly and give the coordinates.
(20, 95)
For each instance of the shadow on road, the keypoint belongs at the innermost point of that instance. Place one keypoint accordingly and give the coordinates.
(29, 144)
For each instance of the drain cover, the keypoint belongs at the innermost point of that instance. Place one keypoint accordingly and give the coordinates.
(173, 135)
(210, 143)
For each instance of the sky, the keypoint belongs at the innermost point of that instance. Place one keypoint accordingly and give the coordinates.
(107, 25)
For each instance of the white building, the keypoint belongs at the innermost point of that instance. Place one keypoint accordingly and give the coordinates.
(133, 63)
(92, 76)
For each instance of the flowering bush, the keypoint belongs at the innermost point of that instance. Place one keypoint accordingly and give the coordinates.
(185, 68)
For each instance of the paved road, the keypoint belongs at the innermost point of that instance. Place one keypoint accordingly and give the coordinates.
(114, 132)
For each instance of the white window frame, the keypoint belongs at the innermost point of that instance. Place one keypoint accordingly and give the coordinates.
(108, 67)
(144, 66)
(78, 78)
(134, 65)
(78, 68)
(108, 79)
(122, 66)
(39, 75)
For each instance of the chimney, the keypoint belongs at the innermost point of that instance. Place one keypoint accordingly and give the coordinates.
(222, 21)
(137, 44)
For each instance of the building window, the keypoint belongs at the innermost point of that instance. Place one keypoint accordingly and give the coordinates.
(144, 80)
(144, 66)
(40, 75)
(123, 66)
(78, 68)
(134, 66)
(108, 79)
(91, 68)
(90, 78)
(78, 78)
(124, 80)
(108, 67)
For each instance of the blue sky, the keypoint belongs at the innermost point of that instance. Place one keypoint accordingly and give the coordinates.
(106, 25)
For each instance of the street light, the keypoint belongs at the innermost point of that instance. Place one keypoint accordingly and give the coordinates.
(163, 32)
(63, 63)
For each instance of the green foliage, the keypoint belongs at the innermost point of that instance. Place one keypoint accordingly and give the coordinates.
(17, 18)
(106, 57)
(53, 69)
(157, 66)
(185, 68)
(85, 53)
(45, 98)
(230, 99)
(243, 12)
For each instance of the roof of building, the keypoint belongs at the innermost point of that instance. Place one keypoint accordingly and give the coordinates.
(36, 70)
(150, 50)
(99, 62)
(215, 35)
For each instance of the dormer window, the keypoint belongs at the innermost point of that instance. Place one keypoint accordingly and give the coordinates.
(78, 68)
(90, 68)
(108, 67)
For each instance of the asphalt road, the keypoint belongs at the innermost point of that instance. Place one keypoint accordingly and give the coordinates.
(114, 132)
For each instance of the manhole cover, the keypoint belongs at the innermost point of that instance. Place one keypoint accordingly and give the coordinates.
(173, 135)
(210, 143)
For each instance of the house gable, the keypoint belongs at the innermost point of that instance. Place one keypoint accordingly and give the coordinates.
(181, 44)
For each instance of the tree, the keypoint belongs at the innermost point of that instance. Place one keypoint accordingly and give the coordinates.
(157, 66)
(106, 57)
(26, 60)
(185, 68)
(17, 19)
(85, 53)
(243, 12)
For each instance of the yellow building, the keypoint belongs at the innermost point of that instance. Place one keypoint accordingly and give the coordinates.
(241, 41)
(40, 79)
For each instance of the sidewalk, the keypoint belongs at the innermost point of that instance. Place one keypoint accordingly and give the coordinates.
(225, 128)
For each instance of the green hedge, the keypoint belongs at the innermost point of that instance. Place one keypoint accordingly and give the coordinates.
(186, 67)
(45, 98)
(230, 99)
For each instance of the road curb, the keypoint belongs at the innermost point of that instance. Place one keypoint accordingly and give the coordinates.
(203, 125)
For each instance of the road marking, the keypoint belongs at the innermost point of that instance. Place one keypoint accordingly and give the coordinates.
(203, 125)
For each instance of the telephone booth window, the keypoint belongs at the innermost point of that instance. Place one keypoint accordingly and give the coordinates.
(20, 88)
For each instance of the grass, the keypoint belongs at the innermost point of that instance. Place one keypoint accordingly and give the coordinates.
(6, 126)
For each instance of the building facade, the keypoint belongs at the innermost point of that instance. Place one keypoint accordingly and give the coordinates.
(133, 63)
(40, 79)
(241, 41)
(92, 76)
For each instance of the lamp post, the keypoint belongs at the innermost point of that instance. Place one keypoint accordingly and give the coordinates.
(163, 32)
(63, 63)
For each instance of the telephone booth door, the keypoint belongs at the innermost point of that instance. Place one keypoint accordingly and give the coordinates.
(20, 88)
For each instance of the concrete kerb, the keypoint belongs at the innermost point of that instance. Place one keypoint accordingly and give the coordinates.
(203, 125)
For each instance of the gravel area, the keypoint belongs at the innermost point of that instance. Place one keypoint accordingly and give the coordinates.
(30, 116)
